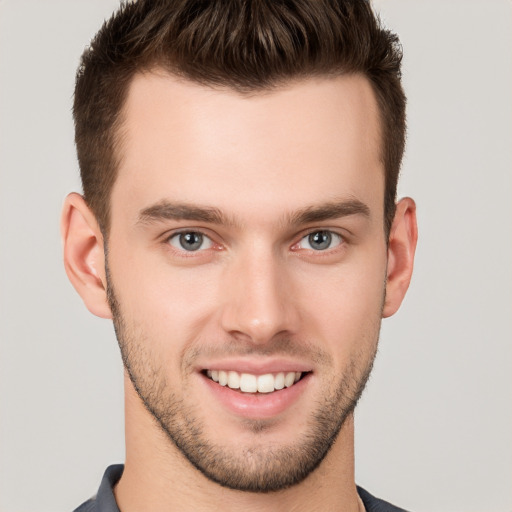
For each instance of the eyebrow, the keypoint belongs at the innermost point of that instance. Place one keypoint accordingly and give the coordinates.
(165, 210)
(331, 210)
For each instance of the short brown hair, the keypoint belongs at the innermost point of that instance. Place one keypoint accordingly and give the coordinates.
(247, 45)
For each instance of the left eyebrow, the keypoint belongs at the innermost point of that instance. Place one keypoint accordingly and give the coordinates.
(327, 211)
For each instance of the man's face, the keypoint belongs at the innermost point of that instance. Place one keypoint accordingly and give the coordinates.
(247, 245)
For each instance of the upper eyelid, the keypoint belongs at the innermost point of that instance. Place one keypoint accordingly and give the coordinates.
(166, 240)
(182, 252)
(333, 232)
(179, 231)
(343, 242)
(308, 232)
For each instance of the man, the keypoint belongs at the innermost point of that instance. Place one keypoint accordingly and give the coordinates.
(239, 225)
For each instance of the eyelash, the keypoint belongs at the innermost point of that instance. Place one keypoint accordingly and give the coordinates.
(182, 250)
(333, 235)
(341, 241)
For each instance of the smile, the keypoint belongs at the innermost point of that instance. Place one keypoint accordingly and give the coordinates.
(250, 383)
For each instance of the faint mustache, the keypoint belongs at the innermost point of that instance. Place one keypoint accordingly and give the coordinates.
(279, 347)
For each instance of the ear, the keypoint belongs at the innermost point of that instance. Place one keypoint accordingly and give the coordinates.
(84, 257)
(401, 248)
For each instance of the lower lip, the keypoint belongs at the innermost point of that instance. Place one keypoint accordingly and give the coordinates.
(257, 405)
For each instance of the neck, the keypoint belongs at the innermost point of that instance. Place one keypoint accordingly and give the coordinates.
(158, 478)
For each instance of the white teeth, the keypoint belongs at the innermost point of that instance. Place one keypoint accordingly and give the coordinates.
(249, 383)
(223, 378)
(279, 381)
(289, 379)
(266, 383)
(233, 380)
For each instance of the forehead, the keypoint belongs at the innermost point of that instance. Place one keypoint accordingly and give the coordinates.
(301, 143)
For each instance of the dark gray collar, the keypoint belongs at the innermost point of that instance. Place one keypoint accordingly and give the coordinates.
(105, 501)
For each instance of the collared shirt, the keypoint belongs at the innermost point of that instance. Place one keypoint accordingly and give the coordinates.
(105, 501)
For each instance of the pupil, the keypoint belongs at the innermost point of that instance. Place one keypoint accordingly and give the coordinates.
(320, 240)
(191, 241)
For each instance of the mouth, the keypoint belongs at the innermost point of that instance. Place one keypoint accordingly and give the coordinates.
(256, 389)
(252, 383)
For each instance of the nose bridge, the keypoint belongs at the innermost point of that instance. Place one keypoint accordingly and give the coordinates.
(258, 296)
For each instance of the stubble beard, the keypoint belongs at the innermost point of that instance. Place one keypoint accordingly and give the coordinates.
(258, 468)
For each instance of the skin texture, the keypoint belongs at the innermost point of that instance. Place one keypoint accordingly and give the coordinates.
(255, 175)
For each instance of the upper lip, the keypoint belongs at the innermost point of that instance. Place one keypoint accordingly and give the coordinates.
(256, 366)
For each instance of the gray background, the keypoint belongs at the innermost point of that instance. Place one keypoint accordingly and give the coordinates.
(434, 427)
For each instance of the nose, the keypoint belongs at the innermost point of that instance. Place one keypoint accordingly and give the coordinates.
(258, 298)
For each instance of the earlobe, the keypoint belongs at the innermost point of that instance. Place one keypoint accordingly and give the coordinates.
(84, 258)
(401, 249)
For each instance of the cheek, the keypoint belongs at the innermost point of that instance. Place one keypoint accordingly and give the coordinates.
(344, 304)
(165, 302)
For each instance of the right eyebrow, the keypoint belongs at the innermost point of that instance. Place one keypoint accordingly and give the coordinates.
(165, 210)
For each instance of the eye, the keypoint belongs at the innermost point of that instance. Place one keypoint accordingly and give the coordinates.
(190, 241)
(320, 241)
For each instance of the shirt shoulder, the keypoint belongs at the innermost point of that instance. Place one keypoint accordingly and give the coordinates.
(88, 506)
(104, 501)
(373, 504)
